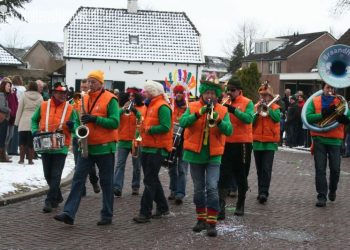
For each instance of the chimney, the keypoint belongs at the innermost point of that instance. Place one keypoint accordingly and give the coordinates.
(132, 6)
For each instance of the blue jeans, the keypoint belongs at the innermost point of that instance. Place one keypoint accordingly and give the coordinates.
(105, 164)
(151, 164)
(13, 147)
(122, 155)
(178, 177)
(205, 179)
(53, 165)
(321, 153)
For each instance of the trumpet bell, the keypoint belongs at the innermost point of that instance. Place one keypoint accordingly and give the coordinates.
(334, 66)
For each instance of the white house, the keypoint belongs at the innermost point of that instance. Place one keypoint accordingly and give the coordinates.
(130, 45)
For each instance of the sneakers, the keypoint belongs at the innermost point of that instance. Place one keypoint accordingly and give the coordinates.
(47, 207)
(96, 188)
(135, 191)
(332, 196)
(200, 226)
(62, 217)
(178, 200)
(141, 219)
(211, 230)
(321, 203)
(104, 222)
(158, 214)
(117, 192)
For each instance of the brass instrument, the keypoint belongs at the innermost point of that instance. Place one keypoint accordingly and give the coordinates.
(227, 101)
(339, 110)
(210, 115)
(136, 142)
(128, 108)
(262, 107)
(82, 133)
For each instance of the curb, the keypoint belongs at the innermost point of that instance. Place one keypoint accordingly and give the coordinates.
(35, 193)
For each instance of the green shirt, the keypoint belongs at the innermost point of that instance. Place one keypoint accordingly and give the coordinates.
(275, 115)
(35, 128)
(164, 116)
(203, 157)
(247, 115)
(312, 118)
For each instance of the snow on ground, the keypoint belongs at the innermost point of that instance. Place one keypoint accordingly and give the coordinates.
(19, 178)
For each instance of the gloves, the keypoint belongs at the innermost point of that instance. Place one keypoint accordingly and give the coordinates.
(343, 119)
(70, 125)
(327, 111)
(230, 108)
(215, 115)
(88, 118)
(203, 110)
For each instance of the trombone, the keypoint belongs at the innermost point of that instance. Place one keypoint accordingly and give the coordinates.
(262, 108)
(128, 108)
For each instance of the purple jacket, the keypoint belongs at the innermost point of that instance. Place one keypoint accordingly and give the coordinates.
(13, 105)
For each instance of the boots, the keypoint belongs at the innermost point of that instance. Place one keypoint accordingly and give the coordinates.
(30, 155)
(222, 201)
(240, 206)
(211, 230)
(3, 156)
(200, 225)
(21, 154)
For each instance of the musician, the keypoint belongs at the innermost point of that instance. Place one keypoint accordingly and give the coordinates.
(238, 147)
(203, 148)
(326, 144)
(49, 117)
(156, 144)
(266, 136)
(178, 172)
(130, 116)
(102, 119)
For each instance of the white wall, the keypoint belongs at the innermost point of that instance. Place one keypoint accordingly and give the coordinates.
(79, 69)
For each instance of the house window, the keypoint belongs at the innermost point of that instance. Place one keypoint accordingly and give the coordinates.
(133, 39)
(266, 47)
(257, 48)
(274, 67)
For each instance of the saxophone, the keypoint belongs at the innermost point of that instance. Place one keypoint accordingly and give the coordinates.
(82, 133)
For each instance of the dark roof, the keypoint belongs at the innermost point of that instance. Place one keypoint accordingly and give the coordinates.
(7, 58)
(19, 53)
(116, 34)
(345, 38)
(292, 44)
(216, 63)
(54, 48)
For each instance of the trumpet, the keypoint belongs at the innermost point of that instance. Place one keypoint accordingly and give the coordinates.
(210, 115)
(136, 142)
(262, 108)
(82, 133)
(128, 108)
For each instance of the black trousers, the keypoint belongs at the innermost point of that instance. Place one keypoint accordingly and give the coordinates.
(235, 164)
(264, 162)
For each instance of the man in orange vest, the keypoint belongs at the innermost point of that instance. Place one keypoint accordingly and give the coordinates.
(238, 147)
(54, 115)
(156, 144)
(266, 136)
(206, 124)
(326, 144)
(178, 172)
(102, 119)
(131, 116)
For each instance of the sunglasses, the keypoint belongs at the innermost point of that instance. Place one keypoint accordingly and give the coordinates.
(231, 90)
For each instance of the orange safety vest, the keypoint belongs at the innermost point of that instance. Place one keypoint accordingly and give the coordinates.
(99, 135)
(194, 135)
(243, 133)
(54, 120)
(127, 127)
(337, 132)
(164, 141)
(265, 129)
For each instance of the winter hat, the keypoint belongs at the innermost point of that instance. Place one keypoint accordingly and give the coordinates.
(179, 89)
(211, 83)
(266, 88)
(59, 86)
(132, 90)
(6, 79)
(154, 88)
(234, 82)
(98, 75)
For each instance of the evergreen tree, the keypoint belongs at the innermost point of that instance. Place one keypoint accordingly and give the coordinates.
(250, 78)
(8, 9)
(236, 58)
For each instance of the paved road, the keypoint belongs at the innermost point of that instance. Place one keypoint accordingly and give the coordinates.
(288, 220)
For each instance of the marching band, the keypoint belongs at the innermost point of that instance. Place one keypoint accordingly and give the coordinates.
(214, 138)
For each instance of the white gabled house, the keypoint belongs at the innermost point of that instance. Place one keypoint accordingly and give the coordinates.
(130, 45)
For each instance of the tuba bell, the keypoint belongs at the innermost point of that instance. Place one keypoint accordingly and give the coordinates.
(334, 69)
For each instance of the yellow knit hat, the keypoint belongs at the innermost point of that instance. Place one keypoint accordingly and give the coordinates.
(98, 75)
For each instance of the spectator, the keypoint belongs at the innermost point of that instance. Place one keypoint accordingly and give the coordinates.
(293, 119)
(27, 105)
(43, 89)
(302, 133)
(5, 90)
(286, 98)
(13, 105)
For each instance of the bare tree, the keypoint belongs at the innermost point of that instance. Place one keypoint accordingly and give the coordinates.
(9, 9)
(14, 39)
(342, 6)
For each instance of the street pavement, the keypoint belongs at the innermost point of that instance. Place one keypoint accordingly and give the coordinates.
(289, 220)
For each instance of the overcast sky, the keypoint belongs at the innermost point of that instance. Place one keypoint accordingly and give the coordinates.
(217, 21)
